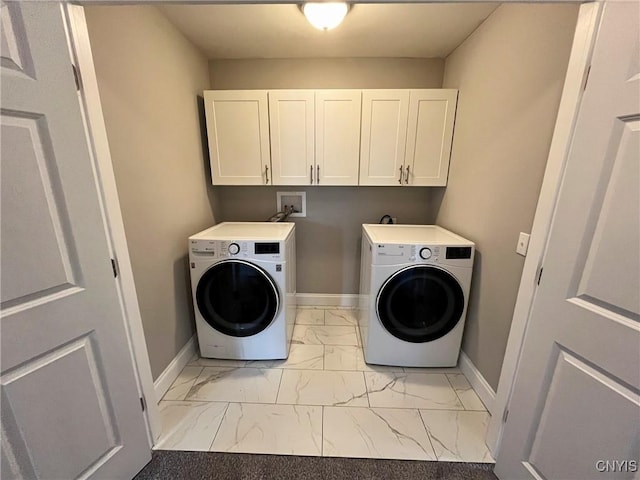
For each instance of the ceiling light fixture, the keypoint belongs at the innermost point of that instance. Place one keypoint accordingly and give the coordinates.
(325, 15)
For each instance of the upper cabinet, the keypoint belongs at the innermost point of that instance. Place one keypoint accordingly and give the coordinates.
(406, 136)
(315, 136)
(330, 137)
(337, 136)
(384, 136)
(238, 131)
(429, 136)
(292, 133)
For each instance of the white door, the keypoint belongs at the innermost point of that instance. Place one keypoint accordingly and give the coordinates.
(575, 409)
(70, 404)
(429, 136)
(337, 136)
(292, 132)
(238, 131)
(384, 136)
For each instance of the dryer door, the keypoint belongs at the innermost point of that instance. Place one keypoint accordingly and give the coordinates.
(420, 303)
(237, 298)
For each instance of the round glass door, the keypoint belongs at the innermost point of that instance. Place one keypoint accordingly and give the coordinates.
(237, 298)
(420, 304)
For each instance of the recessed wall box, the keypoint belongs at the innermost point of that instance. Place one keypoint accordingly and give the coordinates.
(297, 199)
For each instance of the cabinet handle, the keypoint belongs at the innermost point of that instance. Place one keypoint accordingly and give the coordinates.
(406, 180)
(400, 179)
(318, 174)
(311, 174)
(266, 174)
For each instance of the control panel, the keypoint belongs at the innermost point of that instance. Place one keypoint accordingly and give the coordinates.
(395, 254)
(235, 249)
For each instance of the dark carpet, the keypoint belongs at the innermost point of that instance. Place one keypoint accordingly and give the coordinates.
(167, 464)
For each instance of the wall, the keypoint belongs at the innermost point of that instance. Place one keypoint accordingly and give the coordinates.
(327, 73)
(328, 239)
(149, 77)
(510, 73)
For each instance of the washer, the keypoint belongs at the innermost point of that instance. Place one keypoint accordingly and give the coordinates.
(414, 288)
(243, 285)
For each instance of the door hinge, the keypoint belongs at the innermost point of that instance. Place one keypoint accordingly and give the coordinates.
(76, 76)
(114, 266)
(505, 415)
(540, 275)
(586, 78)
(143, 404)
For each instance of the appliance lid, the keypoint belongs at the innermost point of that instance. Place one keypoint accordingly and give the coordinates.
(256, 231)
(418, 234)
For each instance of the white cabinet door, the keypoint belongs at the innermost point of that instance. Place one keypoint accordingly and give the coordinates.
(384, 135)
(238, 131)
(429, 135)
(337, 137)
(292, 132)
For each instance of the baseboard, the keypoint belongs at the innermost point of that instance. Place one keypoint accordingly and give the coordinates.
(166, 378)
(327, 300)
(477, 381)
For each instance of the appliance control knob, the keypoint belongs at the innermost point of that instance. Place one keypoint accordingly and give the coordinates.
(234, 248)
(425, 253)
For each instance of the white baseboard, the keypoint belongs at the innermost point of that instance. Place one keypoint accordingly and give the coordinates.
(477, 381)
(327, 300)
(166, 378)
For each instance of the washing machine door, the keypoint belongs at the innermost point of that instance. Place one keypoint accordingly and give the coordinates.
(237, 298)
(420, 303)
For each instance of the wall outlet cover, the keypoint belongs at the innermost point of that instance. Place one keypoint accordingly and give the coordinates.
(523, 244)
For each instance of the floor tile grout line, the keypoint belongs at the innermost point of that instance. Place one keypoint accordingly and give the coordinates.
(456, 392)
(322, 433)
(219, 425)
(279, 385)
(424, 425)
(366, 389)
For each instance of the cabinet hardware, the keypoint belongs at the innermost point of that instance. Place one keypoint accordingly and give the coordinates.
(266, 174)
(311, 174)
(400, 179)
(318, 174)
(406, 179)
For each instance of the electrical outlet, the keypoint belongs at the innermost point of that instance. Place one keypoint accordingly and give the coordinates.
(523, 244)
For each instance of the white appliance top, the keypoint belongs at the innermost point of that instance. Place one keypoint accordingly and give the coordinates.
(418, 234)
(269, 231)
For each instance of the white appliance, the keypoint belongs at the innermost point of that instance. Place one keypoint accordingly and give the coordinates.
(414, 288)
(244, 285)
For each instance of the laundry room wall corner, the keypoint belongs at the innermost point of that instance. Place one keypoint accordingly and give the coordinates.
(510, 73)
(149, 77)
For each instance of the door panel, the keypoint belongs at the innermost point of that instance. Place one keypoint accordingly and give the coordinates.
(384, 136)
(70, 402)
(337, 136)
(292, 130)
(574, 409)
(429, 136)
(238, 131)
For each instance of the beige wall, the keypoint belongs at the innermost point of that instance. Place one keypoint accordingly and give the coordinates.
(327, 73)
(149, 77)
(510, 73)
(328, 239)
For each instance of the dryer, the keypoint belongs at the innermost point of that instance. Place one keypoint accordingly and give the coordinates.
(414, 290)
(243, 286)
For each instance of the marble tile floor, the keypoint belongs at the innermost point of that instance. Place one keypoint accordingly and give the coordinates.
(324, 400)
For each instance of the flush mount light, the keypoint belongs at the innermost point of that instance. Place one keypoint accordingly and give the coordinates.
(325, 15)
